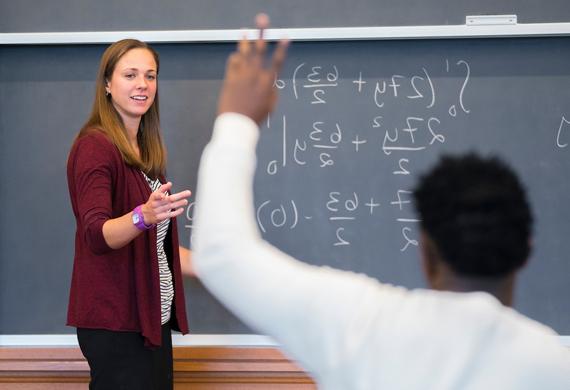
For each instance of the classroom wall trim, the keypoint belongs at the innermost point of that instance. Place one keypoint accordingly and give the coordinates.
(296, 34)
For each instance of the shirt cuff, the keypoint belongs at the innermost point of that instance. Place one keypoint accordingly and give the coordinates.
(235, 130)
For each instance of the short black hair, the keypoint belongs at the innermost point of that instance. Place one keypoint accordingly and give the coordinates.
(476, 212)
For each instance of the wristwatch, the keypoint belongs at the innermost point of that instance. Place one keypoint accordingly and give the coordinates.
(138, 219)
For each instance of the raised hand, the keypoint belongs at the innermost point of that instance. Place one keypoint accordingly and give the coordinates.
(248, 87)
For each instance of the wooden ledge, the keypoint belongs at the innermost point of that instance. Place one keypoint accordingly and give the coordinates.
(206, 368)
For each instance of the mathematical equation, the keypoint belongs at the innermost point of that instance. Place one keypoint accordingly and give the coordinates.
(402, 134)
(407, 115)
(339, 209)
(562, 133)
(314, 82)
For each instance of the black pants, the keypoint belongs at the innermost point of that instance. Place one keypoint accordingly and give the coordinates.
(120, 361)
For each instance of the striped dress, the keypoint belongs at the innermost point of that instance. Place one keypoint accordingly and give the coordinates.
(166, 285)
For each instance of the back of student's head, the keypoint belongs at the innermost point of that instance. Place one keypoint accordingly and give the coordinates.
(476, 212)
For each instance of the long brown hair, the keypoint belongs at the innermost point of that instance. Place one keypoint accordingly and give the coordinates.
(105, 117)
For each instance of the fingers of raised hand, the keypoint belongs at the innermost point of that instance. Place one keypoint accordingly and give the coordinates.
(255, 50)
(279, 56)
(244, 46)
(262, 22)
(234, 62)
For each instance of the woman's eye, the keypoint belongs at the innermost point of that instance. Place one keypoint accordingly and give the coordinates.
(130, 76)
(151, 77)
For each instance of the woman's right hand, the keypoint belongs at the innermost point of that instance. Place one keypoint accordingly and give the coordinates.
(161, 206)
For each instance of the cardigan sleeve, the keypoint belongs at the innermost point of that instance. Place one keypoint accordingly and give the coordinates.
(92, 170)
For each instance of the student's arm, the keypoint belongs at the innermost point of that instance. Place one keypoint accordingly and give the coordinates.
(317, 314)
(321, 316)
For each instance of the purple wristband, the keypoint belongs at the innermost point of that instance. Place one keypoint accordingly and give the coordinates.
(138, 219)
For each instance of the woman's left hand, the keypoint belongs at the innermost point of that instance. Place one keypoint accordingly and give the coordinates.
(161, 206)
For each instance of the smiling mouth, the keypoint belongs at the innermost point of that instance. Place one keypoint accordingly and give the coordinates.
(139, 98)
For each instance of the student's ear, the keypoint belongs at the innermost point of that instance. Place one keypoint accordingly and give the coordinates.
(530, 249)
(430, 260)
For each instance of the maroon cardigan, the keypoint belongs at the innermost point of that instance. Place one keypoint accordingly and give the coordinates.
(116, 289)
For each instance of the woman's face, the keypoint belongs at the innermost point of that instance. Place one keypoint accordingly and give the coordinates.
(133, 84)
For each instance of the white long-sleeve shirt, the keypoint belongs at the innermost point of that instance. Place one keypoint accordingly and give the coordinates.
(348, 330)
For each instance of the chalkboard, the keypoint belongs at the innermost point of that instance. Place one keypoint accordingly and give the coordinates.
(353, 120)
(120, 15)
